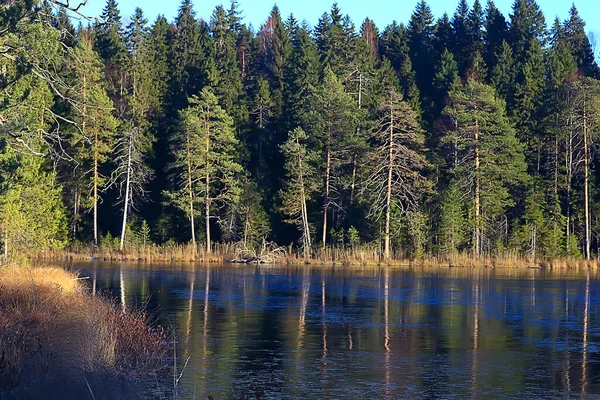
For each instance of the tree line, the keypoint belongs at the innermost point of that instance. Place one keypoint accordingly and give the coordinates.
(472, 133)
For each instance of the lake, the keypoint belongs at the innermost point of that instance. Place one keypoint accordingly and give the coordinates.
(380, 333)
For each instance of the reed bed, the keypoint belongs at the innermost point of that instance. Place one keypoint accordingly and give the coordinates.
(366, 254)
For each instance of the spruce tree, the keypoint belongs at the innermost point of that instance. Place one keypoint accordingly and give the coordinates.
(420, 37)
(462, 41)
(495, 32)
(229, 89)
(109, 42)
(187, 57)
(579, 43)
(443, 37)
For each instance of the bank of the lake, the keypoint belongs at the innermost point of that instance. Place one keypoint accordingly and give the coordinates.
(342, 256)
(59, 341)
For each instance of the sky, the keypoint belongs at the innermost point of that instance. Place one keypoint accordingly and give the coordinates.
(383, 12)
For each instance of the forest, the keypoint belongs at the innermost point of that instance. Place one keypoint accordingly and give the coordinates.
(473, 133)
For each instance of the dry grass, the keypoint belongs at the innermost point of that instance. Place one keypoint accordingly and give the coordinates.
(148, 253)
(371, 255)
(50, 327)
(366, 254)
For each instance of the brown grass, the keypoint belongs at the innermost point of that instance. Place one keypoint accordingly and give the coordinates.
(50, 327)
(371, 255)
(367, 254)
(148, 253)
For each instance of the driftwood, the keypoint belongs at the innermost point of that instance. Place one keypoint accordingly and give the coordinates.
(269, 254)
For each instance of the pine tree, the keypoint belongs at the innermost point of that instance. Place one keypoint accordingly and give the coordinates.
(91, 141)
(205, 162)
(396, 163)
(331, 119)
(483, 149)
(131, 173)
(302, 182)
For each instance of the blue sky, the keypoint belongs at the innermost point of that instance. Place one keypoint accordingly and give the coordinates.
(381, 11)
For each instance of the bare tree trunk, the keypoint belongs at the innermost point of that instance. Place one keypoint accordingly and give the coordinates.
(126, 204)
(96, 188)
(305, 226)
(76, 210)
(388, 199)
(327, 177)
(207, 196)
(586, 167)
(207, 213)
(354, 166)
(260, 136)
(191, 195)
(569, 162)
(353, 184)
(477, 197)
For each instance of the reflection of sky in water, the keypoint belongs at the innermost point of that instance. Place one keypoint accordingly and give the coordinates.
(366, 333)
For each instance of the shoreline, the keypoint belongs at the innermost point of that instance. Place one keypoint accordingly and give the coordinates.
(460, 261)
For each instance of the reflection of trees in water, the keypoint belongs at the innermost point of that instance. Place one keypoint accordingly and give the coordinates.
(405, 331)
(586, 320)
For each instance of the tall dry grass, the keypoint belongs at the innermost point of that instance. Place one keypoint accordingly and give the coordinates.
(50, 328)
(372, 255)
(364, 254)
(148, 253)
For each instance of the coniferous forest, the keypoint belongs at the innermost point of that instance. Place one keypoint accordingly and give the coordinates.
(470, 133)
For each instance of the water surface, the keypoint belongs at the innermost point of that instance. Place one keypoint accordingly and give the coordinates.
(324, 332)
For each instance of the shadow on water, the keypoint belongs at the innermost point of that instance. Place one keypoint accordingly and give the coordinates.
(315, 332)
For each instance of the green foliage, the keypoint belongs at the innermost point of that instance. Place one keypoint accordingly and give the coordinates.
(143, 233)
(32, 215)
(301, 184)
(484, 154)
(454, 227)
(205, 158)
(82, 108)
(353, 237)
